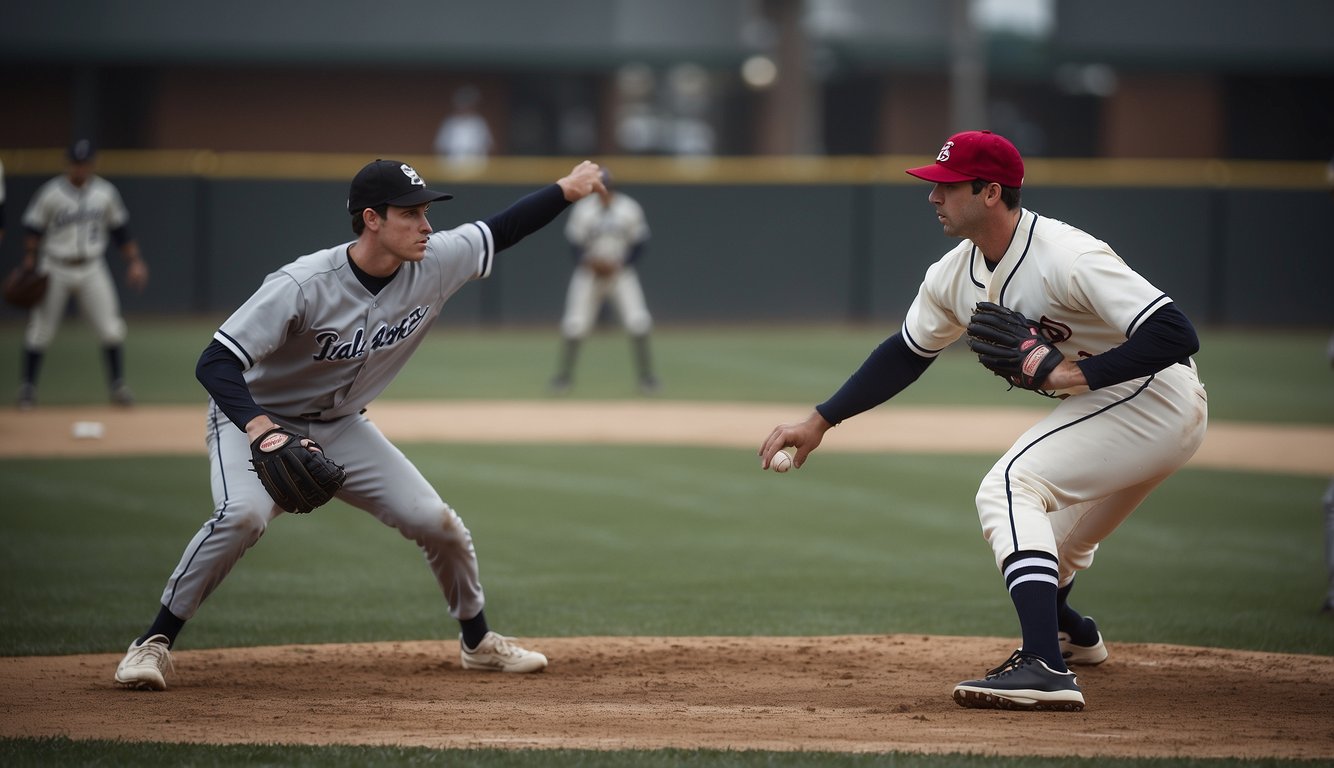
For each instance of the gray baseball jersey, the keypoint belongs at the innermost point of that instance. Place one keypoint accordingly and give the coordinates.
(317, 345)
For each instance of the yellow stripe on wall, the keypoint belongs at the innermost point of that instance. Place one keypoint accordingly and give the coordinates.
(881, 169)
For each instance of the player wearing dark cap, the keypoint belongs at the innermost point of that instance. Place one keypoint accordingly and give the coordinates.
(66, 230)
(308, 352)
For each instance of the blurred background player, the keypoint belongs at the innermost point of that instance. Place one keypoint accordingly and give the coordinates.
(66, 228)
(464, 140)
(608, 232)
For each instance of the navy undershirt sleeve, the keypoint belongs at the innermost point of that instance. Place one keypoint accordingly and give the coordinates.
(636, 253)
(527, 215)
(887, 371)
(121, 235)
(1165, 338)
(222, 375)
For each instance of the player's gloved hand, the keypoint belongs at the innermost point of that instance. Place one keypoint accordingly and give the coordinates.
(294, 470)
(1011, 346)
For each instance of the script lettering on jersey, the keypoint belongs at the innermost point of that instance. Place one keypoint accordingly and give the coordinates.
(334, 347)
(1053, 331)
(81, 215)
(389, 334)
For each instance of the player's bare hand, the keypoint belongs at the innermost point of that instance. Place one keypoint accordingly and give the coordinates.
(1064, 376)
(136, 275)
(805, 436)
(584, 180)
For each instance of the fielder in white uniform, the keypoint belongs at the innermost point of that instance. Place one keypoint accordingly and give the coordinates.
(608, 233)
(1131, 409)
(314, 345)
(67, 226)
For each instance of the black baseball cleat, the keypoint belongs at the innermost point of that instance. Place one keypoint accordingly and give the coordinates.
(1024, 681)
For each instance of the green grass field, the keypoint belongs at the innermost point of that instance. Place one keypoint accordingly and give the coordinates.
(1279, 375)
(854, 544)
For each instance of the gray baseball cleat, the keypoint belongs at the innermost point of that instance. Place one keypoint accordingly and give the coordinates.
(1024, 681)
(27, 397)
(146, 665)
(121, 395)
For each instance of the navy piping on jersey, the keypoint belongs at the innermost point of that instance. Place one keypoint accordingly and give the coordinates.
(972, 262)
(1031, 229)
(488, 250)
(1144, 312)
(1009, 494)
(222, 468)
(921, 350)
(237, 349)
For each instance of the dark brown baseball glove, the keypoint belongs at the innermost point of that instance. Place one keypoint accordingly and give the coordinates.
(1011, 346)
(24, 288)
(294, 470)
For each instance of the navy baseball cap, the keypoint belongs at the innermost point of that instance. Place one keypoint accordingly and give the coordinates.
(975, 155)
(81, 151)
(389, 182)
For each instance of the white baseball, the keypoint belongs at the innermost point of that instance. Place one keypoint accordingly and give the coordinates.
(781, 462)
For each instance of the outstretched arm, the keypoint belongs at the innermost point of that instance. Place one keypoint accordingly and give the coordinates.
(534, 211)
(887, 371)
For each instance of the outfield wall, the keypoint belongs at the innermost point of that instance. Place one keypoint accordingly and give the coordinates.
(735, 241)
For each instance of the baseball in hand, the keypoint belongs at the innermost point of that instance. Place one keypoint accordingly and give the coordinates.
(781, 462)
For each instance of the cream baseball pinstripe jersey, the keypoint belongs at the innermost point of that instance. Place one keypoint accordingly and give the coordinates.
(75, 221)
(607, 233)
(1084, 296)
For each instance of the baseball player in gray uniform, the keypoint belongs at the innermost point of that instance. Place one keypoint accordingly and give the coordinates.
(67, 226)
(314, 345)
(608, 233)
(1129, 408)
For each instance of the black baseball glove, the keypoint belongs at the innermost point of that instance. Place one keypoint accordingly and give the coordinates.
(294, 470)
(1011, 346)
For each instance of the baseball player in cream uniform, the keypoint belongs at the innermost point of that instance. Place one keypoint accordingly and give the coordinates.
(309, 351)
(67, 227)
(608, 233)
(1129, 409)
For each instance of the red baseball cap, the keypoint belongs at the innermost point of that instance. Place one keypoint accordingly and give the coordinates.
(975, 155)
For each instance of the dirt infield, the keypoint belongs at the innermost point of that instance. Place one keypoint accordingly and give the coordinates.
(1286, 449)
(845, 694)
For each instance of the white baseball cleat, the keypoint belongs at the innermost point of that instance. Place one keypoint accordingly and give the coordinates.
(146, 665)
(497, 653)
(1088, 655)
